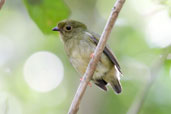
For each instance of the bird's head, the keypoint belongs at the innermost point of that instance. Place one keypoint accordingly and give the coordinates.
(70, 28)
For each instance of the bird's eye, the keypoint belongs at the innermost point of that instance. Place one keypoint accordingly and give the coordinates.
(68, 28)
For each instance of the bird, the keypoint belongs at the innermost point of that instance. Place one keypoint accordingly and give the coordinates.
(79, 45)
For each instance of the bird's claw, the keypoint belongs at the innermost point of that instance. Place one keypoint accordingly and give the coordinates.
(91, 55)
(90, 85)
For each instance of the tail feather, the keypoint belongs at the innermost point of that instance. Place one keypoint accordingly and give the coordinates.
(102, 84)
(116, 86)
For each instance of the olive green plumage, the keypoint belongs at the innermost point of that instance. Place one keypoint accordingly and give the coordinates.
(79, 44)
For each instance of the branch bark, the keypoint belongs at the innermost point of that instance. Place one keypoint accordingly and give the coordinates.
(140, 99)
(1, 3)
(97, 53)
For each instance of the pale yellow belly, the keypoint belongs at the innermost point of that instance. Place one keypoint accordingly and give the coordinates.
(79, 56)
(80, 63)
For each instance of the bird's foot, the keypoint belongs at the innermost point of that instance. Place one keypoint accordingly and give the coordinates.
(91, 55)
(90, 85)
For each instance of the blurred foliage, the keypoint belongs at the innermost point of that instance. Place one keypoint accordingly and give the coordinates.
(167, 67)
(47, 13)
(166, 4)
(20, 37)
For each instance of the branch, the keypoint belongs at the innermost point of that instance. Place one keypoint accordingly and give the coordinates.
(93, 62)
(139, 101)
(1, 3)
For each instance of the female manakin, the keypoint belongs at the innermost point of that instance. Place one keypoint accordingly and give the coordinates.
(79, 44)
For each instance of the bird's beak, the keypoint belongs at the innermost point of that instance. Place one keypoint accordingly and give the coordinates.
(56, 29)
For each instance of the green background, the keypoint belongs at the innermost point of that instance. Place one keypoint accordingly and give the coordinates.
(27, 25)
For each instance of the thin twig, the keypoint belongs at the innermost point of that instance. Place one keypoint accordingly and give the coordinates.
(1, 3)
(139, 101)
(93, 62)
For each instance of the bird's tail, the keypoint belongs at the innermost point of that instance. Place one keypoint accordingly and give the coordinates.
(116, 85)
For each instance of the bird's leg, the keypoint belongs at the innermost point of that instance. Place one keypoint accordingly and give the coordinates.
(91, 55)
(88, 83)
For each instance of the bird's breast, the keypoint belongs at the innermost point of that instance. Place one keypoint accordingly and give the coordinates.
(79, 52)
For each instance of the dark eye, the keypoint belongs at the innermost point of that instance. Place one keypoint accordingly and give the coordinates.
(68, 28)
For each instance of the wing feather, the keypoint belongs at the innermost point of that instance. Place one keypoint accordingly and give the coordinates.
(94, 37)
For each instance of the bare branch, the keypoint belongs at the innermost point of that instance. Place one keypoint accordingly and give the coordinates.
(93, 62)
(1, 3)
(139, 101)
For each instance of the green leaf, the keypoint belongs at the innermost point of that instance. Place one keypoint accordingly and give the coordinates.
(47, 13)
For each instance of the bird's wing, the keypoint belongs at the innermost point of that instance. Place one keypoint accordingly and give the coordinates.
(95, 38)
